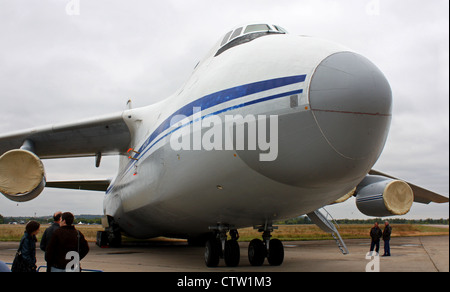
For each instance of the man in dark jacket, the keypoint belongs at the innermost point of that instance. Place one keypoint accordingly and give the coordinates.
(386, 238)
(375, 234)
(66, 241)
(48, 235)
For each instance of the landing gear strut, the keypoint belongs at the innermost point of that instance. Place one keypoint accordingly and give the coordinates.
(273, 249)
(219, 247)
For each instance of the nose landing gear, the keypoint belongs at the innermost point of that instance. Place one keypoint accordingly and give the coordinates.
(273, 249)
(218, 246)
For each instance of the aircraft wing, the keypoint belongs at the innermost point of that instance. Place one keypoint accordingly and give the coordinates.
(421, 195)
(106, 135)
(88, 185)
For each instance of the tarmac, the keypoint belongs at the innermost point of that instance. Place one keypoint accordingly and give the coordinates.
(409, 254)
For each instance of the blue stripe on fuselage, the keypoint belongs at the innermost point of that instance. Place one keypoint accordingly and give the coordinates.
(218, 98)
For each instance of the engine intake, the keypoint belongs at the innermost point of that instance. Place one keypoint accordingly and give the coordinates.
(22, 175)
(379, 196)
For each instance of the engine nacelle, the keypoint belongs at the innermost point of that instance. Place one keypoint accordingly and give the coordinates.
(379, 196)
(22, 175)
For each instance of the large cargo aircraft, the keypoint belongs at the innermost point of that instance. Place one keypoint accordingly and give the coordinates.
(269, 126)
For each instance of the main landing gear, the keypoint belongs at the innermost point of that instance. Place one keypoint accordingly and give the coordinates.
(112, 236)
(219, 246)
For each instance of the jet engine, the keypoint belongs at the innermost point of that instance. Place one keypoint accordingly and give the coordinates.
(379, 196)
(22, 175)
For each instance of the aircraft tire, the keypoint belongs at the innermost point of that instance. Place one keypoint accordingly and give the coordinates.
(276, 252)
(256, 252)
(232, 253)
(212, 253)
(102, 239)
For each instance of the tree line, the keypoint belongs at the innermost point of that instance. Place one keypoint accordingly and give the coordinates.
(86, 219)
(97, 219)
(306, 220)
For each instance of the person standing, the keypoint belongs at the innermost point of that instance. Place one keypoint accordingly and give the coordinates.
(66, 241)
(375, 234)
(45, 240)
(27, 246)
(387, 238)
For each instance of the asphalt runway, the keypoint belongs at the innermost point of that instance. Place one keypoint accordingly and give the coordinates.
(409, 254)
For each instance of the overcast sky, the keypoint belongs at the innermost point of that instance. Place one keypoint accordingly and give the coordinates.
(64, 60)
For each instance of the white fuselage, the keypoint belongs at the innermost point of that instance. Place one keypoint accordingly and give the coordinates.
(160, 190)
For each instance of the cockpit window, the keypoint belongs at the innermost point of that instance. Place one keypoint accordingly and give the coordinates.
(225, 39)
(236, 33)
(241, 36)
(256, 27)
(280, 29)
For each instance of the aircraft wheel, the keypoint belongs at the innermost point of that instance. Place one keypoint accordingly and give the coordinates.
(212, 253)
(232, 253)
(256, 252)
(102, 239)
(276, 252)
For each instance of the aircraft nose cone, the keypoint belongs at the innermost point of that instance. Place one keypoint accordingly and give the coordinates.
(351, 101)
(335, 143)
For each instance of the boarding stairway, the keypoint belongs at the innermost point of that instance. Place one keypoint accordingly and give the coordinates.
(328, 226)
